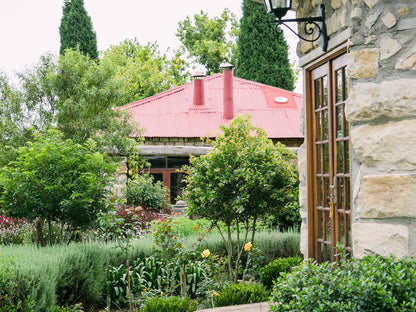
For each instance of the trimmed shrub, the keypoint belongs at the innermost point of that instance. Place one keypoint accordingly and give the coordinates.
(371, 284)
(235, 294)
(170, 304)
(145, 192)
(274, 269)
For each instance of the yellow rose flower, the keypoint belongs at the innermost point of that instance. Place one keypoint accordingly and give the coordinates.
(247, 246)
(205, 253)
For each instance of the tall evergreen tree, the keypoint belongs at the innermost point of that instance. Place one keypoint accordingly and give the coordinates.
(76, 29)
(262, 54)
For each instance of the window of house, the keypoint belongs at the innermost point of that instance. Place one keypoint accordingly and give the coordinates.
(166, 169)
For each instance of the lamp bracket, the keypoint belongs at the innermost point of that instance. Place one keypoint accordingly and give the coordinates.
(312, 24)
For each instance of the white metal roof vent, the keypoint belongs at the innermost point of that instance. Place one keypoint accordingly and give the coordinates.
(280, 99)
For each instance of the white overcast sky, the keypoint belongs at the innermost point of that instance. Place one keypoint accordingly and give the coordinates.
(30, 28)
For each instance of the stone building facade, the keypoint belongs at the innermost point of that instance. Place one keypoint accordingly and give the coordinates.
(358, 163)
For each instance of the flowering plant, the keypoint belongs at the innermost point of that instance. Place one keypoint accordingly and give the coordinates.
(14, 230)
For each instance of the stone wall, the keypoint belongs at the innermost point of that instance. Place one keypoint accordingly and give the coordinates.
(381, 109)
(175, 141)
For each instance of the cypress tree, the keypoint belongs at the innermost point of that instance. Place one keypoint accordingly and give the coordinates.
(262, 54)
(76, 29)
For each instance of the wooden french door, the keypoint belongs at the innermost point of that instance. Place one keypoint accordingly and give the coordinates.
(329, 172)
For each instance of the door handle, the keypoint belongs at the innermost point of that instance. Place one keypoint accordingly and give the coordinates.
(333, 197)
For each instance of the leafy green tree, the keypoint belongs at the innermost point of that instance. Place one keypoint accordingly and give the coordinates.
(54, 179)
(262, 54)
(87, 92)
(76, 29)
(77, 95)
(39, 99)
(210, 41)
(243, 178)
(144, 70)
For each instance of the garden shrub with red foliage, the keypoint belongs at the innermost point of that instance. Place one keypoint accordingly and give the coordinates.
(137, 218)
(14, 230)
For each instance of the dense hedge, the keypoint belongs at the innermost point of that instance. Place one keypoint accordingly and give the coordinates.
(235, 294)
(372, 284)
(270, 272)
(37, 279)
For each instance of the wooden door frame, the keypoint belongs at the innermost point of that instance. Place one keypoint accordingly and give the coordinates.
(309, 129)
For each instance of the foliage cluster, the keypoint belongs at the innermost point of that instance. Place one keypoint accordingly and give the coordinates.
(78, 94)
(270, 272)
(14, 231)
(235, 294)
(34, 279)
(56, 180)
(371, 284)
(145, 192)
(169, 304)
(243, 178)
(266, 60)
(29, 276)
(76, 29)
(154, 277)
(211, 41)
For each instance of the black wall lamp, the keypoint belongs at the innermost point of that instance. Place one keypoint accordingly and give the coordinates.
(279, 9)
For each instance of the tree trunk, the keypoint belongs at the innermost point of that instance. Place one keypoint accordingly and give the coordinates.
(39, 240)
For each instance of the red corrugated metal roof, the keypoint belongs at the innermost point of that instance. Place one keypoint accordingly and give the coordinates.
(172, 113)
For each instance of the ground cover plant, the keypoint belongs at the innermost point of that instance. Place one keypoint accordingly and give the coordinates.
(371, 284)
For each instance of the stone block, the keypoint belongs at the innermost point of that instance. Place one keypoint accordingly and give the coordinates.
(387, 196)
(304, 237)
(371, 3)
(381, 239)
(389, 47)
(387, 147)
(371, 18)
(403, 10)
(336, 4)
(392, 99)
(370, 39)
(356, 14)
(122, 178)
(405, 24)
(122, 168)
(389, 20)
(303, 199)
(364, 63)
(408, 60)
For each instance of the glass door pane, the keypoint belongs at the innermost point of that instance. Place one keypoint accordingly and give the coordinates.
(330, 161)
(177, 185)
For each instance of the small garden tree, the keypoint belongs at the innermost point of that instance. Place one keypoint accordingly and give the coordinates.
(56, 180)
(243, 178)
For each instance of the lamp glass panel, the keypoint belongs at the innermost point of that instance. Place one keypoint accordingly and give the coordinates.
(268, 6)
(281, 4)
